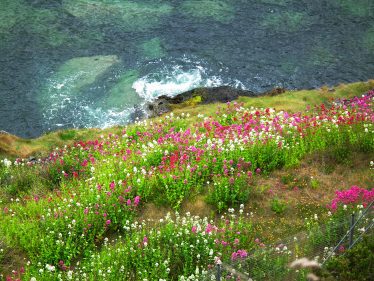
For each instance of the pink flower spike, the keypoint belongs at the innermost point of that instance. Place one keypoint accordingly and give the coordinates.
(136, 200)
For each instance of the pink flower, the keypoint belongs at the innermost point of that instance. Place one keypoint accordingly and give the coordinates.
(194, 229)
(108, 222)
(239, 254)
(145, 240)
(354, 195)
(128, 202)
(136, 200)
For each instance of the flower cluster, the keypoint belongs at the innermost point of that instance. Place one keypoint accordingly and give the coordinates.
(353, 196)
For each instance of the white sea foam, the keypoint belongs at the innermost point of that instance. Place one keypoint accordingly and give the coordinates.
(174, 82)
(163, 78)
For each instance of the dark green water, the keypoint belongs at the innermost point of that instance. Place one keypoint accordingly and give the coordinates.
(87, 63)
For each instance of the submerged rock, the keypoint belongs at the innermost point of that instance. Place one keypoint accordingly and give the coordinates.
(131, 15)
(63, 96)
(76, 73)
(368, 40)
(357, 8)
(202, 95)
(209, 9)
(10, 12)
(153, 49)
(122, 95)
(286, 21)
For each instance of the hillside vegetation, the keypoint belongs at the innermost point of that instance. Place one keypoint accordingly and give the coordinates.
(168, 198)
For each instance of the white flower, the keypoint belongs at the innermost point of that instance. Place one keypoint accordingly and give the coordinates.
(7, 163)
(50, 267)
(32, 279)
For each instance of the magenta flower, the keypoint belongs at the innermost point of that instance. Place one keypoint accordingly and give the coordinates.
(136, 201)
(145, 240)
(194, 229)
(108, 222)
(354, 195)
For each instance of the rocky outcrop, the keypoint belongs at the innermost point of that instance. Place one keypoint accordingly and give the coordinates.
(204, 96)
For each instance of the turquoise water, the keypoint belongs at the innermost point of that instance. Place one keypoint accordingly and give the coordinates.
(91, 63)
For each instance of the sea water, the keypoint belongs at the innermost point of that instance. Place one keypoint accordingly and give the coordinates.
(93, 63)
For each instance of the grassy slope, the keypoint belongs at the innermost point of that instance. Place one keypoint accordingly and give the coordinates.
(293, 186)
(293, 101)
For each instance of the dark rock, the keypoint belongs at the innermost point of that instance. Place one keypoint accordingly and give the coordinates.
(138, 114)
(205, 96)
(2, 132)
(274, 92)
(32, 160)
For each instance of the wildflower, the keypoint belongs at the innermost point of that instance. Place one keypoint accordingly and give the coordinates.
(7, 163)
(145, 240)
(194, 229)
(136, 200)
(50, 267)
(107, 222)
